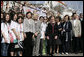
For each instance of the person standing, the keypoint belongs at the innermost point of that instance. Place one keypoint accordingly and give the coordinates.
(42, 38)
(29, 29)
(37, 35)
(14, 35)
(5, 30)
(67, 27)
(21, 34)
(52, 35)
(81, 39)
(76, 27)
(58, 41)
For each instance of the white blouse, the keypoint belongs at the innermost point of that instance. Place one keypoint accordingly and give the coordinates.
(43, 29)
(20, 30)
(4, 29)
(14, 25)
(29, 25)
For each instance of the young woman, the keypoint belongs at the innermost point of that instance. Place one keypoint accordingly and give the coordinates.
(21, 33)
(52, 35)
(29, 29)
(42, 38)
(58, 41)
(5, 30)
(15, 37)
(41, 18)
(67, 27)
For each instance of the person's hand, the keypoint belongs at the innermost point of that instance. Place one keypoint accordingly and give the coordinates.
(79, 35)
(23, 39)
(64, 30)
(55, 37)
(18, 37)
(48, 37)
(6, 41)
(43, 38)
(36, 34)
(60, 29)
(25, 35)
(33, 36)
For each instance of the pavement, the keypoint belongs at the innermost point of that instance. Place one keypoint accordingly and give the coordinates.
(72, 54)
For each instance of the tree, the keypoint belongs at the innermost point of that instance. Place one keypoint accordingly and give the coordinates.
(59, 8)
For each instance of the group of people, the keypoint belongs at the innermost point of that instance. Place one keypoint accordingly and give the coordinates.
(24, 35)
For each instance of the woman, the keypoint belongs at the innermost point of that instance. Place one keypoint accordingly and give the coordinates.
(42, 38)
(29, 29)
(37, 35)
(21, 33)
(41, 18)
(67, 27)
(14, 35)
(52, 35)
(58, 41)
(5, 30)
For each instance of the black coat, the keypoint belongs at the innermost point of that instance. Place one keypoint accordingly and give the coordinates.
(68, 28)
(49, 30)
(51, 41)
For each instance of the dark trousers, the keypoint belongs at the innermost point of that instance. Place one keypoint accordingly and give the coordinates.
(51, 43)
(81, 44)
(67, 46)
(62, 47)
(41, 46)
(28, 44)
(76, 44)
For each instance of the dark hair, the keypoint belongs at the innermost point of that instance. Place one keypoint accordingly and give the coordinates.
(28, 13)
(41, 17)
(1, 12)
(58, 17)
(73, 14)
(14, 15)
(19, 18)
(2, 19)
(51, 17)
(68, 17)
(81, 14)
(19, 13)
(9, 18)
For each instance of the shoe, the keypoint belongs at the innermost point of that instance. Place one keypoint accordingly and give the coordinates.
(66, 53)
(62, 53)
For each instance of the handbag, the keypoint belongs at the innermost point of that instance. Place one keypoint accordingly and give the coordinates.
(15, 41)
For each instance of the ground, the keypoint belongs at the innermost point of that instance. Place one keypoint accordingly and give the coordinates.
(73, 54)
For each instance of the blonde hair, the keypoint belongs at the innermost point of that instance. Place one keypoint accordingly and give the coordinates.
(35, 15)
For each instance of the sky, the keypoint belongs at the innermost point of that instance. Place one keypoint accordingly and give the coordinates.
(77, 5)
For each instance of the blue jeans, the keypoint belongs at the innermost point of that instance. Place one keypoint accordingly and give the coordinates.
(4, 49)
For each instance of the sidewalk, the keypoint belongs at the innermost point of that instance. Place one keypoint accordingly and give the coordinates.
(73, 54)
